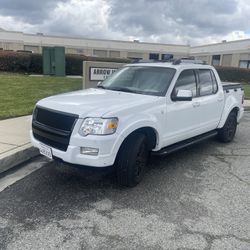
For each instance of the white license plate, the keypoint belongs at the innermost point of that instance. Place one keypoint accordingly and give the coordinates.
(45, 150)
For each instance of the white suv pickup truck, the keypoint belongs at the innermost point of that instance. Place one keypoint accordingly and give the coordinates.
(142, 108)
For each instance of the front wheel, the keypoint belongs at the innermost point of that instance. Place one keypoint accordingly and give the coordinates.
(132, 160)
(227, 132)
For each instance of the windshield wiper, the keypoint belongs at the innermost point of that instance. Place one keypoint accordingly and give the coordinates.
(100, 87)
(123, 89)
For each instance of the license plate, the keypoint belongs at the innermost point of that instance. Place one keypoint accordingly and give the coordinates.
(45, 150)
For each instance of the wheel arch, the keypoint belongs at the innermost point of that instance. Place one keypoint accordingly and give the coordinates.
(151, 135)
(226, 112)
(150, 132)
(227, 132)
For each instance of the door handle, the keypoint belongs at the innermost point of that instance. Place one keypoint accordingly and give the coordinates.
(196, 104)
(220, 99)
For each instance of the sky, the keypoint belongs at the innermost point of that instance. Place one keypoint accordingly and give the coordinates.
(192, 22)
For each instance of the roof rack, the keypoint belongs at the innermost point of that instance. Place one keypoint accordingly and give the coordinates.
(152, 61)
(173, 61)
(143, 61)
(185, 60)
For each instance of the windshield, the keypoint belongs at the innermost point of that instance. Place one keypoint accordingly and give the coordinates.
(140, 79)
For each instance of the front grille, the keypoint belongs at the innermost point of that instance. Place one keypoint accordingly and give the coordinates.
(52, 127)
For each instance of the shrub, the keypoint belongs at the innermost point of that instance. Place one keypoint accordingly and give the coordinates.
(14, 61)
(231, 74)
(32, 63)
(74, 62)
(36, 64)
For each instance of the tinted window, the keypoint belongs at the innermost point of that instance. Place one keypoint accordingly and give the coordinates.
(215, 85)
(167, 56)
(154, 56)
(216, 60)
(206, 83)
(244, 64)
(186, 81)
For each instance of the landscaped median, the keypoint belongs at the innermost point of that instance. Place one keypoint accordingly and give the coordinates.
(19, 92)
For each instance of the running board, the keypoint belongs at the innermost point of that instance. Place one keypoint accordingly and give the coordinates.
(183, 144)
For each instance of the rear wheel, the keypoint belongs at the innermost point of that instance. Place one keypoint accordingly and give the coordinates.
(227, 132)
(132, 160)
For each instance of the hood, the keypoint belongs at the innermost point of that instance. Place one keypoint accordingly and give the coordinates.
(95, 102)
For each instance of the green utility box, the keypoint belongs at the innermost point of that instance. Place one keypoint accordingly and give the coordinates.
(54, 61)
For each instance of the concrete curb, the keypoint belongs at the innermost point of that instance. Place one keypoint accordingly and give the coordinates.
(20, 155)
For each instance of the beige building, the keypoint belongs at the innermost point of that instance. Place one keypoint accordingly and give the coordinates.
(235, 53)
(94, 47)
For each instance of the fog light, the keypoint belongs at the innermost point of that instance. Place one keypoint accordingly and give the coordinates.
(89, 151)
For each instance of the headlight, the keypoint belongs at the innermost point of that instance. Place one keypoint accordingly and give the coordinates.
(98, 126)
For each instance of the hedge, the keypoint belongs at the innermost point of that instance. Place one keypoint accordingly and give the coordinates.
(32, 63)
(231, 74)
(36, 64)
(15, 61)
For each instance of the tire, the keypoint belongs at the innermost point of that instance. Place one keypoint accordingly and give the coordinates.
(131, 160)
(227, 132)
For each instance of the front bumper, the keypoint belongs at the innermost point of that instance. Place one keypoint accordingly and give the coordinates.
(108, 147)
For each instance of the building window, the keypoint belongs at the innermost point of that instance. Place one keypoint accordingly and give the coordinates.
(216, 60)
(202, 58)
(34, 49)
(114, 54)
(135, 56)
(153, 56)
(79, 51)
(167, 57)
(245, 64)
(100, 53)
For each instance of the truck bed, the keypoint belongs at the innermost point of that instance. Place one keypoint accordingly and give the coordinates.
(233, 89)
(231, 85)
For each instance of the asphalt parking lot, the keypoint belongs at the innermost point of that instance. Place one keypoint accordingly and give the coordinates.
(197, 198)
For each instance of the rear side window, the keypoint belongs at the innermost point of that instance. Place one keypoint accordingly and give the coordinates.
(206, 82)
(215, 84)
(186, 81)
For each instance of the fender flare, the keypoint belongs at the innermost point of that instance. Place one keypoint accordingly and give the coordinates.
(132, 128)
(230, 105)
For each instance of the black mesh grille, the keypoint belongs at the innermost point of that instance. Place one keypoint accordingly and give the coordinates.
(52, 127)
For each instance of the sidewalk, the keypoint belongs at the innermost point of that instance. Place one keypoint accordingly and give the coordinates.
(15, 147)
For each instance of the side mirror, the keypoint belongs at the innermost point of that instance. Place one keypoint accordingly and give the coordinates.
(183, 95)
(99, 83)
